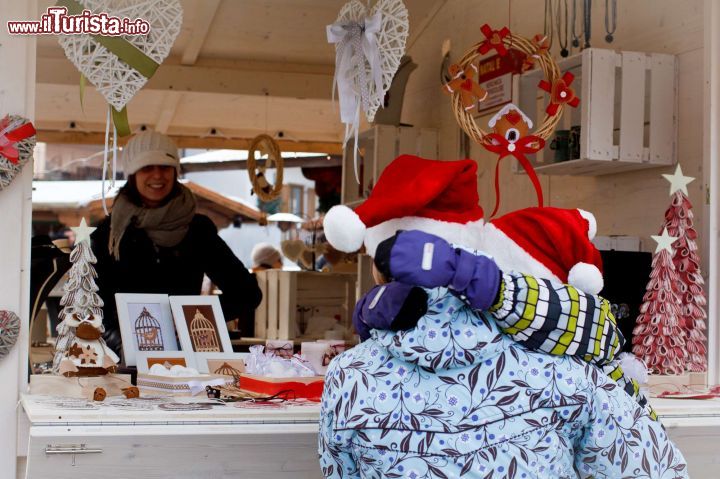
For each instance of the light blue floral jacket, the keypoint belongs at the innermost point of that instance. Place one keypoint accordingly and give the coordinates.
(453, 397)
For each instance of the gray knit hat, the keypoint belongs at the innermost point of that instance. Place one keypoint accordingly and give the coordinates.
(265, 254)
(149, 148)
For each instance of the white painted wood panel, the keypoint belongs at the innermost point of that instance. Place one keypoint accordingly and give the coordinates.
(282, 451)
(632, 106)
(663, 101)
(17, 96)
(600, 104)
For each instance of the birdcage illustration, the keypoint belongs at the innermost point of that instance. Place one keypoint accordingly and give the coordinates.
(148, 332)
(203, 335)
(226, 370)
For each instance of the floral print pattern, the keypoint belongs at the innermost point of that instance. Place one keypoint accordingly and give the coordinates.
(453, 397)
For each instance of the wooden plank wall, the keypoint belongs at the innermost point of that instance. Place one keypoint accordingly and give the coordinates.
(631, 203)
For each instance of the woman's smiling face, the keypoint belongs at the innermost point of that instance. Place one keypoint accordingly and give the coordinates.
(154, 183)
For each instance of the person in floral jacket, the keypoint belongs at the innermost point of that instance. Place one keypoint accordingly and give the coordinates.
(455, 397)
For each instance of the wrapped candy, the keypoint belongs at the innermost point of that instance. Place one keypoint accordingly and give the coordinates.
(260, 363)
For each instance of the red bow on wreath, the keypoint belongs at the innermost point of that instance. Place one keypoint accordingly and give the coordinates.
(560, 93)
(493, 40)
(526, 145)
(10, 134)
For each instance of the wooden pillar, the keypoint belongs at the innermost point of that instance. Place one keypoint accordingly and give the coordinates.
(17, 95)
(711, 156)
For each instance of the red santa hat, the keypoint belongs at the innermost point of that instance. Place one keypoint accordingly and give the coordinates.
(553, 239)
(438, 197)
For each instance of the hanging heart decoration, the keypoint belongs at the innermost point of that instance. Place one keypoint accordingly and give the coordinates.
(9, 331)
(369, 46)
(17, 142)
(119, 66)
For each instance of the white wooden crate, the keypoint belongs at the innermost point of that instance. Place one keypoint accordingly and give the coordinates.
(317, 294)
(627, 114)
(378, 146)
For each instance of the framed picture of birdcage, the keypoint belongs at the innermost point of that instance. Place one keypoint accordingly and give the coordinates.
(200, 324)
(225, 364)
(146, 324)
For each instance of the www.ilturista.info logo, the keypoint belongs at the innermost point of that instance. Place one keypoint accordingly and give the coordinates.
(56, 21)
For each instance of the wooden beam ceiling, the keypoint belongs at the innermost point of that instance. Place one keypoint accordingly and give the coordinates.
(210, 142)
(207, 79)
(233, 165)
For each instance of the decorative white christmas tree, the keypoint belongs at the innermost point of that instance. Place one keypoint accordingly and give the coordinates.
(80, 349)
(679, 222)
(658, 337)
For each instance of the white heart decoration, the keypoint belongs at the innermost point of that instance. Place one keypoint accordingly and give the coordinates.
(113, 78)
(391, 40)
(25, 148)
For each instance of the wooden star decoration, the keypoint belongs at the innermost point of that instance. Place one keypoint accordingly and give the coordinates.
(664, 241)
(82, 232)
(75, 351)
(678, 181)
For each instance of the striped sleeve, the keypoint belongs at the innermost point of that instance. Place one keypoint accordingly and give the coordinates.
(557, 319)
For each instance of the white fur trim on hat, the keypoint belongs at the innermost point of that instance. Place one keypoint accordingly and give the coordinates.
(460, 234)
(586, 277)
(344, 229)
(509, 256)
(592, 224)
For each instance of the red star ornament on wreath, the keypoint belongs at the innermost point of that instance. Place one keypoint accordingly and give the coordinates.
(493, 40)
(463, 82)
(560, 93)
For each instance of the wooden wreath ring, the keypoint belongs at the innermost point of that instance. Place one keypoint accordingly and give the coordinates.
(549, 67)
(274, 156)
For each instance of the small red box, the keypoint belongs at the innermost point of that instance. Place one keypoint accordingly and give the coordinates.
(310, 388)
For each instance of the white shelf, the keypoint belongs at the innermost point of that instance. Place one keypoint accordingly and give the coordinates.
(591, 167)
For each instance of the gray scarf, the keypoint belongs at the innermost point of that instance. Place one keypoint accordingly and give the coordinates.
(166, 226)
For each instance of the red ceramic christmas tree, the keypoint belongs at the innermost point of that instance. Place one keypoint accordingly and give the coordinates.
(658, 337)
(679, 222)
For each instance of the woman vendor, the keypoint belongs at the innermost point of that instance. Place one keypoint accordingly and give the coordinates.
(155, 242)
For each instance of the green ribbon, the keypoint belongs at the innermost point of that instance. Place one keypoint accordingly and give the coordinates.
(120, 120)
(125, 51)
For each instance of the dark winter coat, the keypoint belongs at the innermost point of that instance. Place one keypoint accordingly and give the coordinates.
(146, 268)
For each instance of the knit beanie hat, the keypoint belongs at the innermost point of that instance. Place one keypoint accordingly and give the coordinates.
(149, 148)
(265, 254)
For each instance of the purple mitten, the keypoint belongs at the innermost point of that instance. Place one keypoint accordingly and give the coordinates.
(423, 259)
(392, 306)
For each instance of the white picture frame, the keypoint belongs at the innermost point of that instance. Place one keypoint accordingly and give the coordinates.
(209, 313)
(203, 360)
(145, 359)
(129, 308)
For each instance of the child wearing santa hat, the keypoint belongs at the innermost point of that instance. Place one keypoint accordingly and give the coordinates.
(452, 395)
(551, 246)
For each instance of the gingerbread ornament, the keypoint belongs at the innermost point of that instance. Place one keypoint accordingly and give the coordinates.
(542, 46)
(463, 82)
(510, 138)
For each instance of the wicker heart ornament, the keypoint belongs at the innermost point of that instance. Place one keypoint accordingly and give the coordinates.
(9, 331)
(116, 79)
(17, 142)
(369, 47)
